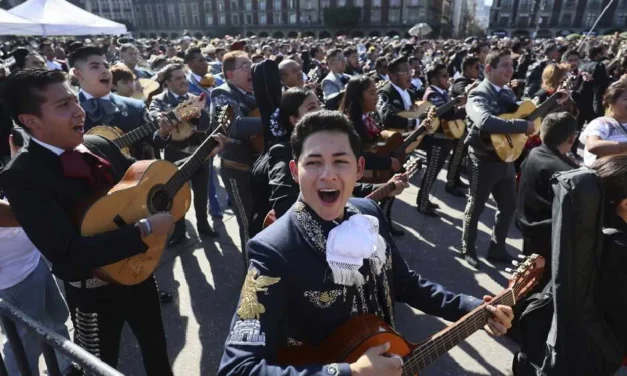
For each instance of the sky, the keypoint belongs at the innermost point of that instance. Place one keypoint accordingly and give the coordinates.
(488, 2)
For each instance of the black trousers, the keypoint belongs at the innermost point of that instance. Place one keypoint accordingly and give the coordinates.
(455, 161)
(437, 151)
(239, 187)
(199, 187)
(99, 314)
(496, 178)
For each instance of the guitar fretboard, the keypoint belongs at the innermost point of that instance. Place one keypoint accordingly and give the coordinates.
(135, 135)
(441, 343)
(446, 107)
(544, 108)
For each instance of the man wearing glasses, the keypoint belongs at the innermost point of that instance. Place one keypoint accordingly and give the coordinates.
(395, 96)
(238, 156)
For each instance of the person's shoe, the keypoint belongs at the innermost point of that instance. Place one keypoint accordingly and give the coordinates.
(395, 231)
(502, 258)
(430, 212)
(455, 191)
(176, 239)
(433, 205)
(165, 297)
(205, 229)
(472, 260)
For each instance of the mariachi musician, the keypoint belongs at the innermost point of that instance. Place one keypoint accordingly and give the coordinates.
(438, 144)
(238, 156)
(176, 93)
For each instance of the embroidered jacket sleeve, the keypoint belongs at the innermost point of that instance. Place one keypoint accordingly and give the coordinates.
(284, 190)
(438, 101)
(255, 335)
(241, 126)
(480, 111)
(388, 113)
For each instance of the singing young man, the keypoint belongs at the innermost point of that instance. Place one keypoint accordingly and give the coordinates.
(47, 184)
(330, 257)
(489, 174)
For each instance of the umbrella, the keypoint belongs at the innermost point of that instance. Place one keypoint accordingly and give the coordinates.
(420, 30)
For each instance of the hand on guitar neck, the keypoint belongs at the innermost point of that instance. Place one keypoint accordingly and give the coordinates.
(377, 361)
(167, 125)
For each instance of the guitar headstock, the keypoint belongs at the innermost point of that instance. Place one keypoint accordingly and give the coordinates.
(472, 87)
(225, 117)
(428, 120)
(412, 166)
(313, 75)
(569, 83)
(191, 108)
(527, 275)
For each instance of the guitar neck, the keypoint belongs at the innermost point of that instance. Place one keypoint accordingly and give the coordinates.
(450, 337)
(544, 108)
(192, 164)
(381, 193)
(411, 138)
(136, 134)
(446, 107)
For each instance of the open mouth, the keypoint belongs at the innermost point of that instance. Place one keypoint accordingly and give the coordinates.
(79, 128)
(105, 81)
(329, 196)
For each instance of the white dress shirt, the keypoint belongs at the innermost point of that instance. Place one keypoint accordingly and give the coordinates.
(89, 96)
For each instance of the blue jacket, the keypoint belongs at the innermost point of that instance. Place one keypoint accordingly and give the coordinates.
(289, 297)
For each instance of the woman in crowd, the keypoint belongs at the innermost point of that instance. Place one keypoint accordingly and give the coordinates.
(607, 135)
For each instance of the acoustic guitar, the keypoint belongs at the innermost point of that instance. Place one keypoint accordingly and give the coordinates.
(187, 110)
(147, 188)
(353, 338)
(392, 144)
(456, 128)
(378, 194)
(509, 146)
(420, 111)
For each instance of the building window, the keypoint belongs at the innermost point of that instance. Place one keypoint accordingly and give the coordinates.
(523, 21)
(207, 6)
(277, 5)
(293, 18)
(235, 19)
(233, 5)
(249, 5)
(263, 19)
(149, 20)
(291, 4)
(195, 15)
(621, 19)
(183, 13)
(567, 19)
(413, 3)
(160, 15)
(262, 4)
(394, 15)
(171, 15)
(376, 4)
(358, 3)
(308, 4)
(209, 19)
(395, 3)
(276, 19)
(222, 19)
(590, 18)
(413, 16)
(325, 3)
(220, 6)
(421, 12)
(375, 16)
(504, 22)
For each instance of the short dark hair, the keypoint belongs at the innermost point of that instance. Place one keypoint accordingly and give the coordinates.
(494, 57)
(320, 121)
(333, 54)
(613, 173)
(557, 127)
(379, 62)
(21, 92)
(191, 54)
(477, 46)
(121, 72)
(434, 70)
(469, 61)
(570, 53)
(550, 48)
(349, 51)
(127, 46)
(83, 53)
(595, 51)
(395, 65)
(171, 68)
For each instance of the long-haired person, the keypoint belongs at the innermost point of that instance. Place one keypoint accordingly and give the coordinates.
(607, 135)
(552, 77)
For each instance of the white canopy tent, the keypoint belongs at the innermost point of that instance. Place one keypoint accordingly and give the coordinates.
(14, 25)
(59, 17)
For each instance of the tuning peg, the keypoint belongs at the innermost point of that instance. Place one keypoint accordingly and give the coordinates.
(521, 257)
(509, 270)
(515, 263)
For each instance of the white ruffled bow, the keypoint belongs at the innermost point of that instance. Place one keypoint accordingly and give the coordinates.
(350, 243)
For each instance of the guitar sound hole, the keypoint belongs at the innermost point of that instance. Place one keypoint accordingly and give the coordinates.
(159, 200)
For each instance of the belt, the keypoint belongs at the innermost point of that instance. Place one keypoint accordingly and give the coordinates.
(91, 283)
(239, 166)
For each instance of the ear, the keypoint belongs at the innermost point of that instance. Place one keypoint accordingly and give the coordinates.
(293, 120)
(361, 166)
(76, 73)
(294, 170)
(30, 121)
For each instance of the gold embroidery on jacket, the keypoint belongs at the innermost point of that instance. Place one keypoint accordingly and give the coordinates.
(323, 299)
(249, 307)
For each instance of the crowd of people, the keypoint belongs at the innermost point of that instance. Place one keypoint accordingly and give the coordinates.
(305, 150)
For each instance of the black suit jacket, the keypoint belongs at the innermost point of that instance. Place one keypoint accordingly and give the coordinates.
(390, 104)
(44, 202)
